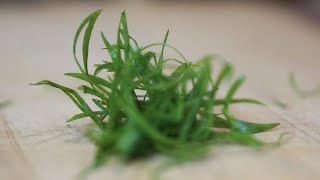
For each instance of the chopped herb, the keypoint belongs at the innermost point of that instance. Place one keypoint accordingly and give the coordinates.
(143, 109)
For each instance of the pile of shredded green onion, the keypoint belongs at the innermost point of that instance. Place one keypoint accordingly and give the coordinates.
(142, 108)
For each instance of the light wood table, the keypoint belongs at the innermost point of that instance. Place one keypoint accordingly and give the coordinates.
(264, 42)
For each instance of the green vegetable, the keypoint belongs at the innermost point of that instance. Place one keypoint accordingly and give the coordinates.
(142, 108)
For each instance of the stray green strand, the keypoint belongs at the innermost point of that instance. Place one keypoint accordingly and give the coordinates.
(280, 103)
(4, 104)
(299, 91)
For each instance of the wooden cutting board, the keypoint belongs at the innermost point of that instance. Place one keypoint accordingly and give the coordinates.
(264, 42)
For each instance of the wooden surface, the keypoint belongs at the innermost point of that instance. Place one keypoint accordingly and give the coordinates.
(264, 42)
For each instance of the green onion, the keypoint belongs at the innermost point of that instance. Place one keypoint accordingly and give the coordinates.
(142, 110)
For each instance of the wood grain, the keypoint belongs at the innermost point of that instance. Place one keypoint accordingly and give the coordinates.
(265, 42)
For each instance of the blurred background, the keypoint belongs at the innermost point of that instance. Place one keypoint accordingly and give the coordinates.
(310, 7)
(265, 39)
(306, 7)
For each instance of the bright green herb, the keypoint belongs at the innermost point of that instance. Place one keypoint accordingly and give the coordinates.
(143, 109)
(300, 92)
